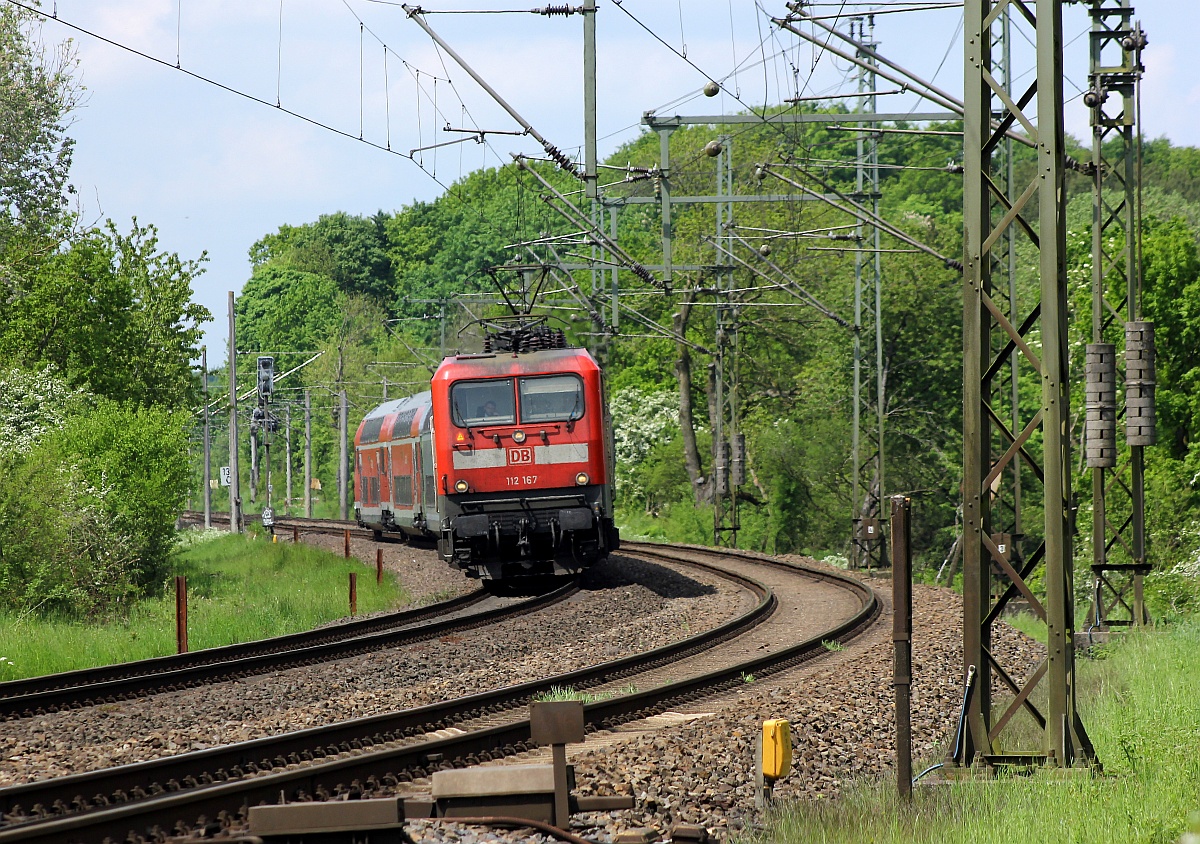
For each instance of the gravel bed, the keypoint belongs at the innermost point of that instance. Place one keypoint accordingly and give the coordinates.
(626, 606)
(843, 725)
(841, 711)
(426, 578)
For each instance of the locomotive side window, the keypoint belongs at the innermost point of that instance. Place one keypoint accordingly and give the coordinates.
(551, 398)
(483, 402)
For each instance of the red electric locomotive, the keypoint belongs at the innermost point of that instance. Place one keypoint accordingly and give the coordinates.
(507, 461)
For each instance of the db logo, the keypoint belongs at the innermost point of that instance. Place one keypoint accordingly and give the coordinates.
(520, 456)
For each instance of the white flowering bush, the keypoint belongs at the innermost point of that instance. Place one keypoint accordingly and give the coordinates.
(641, 421)
(1189, 565)
(32, 404)
(65, 552)
(837, 561)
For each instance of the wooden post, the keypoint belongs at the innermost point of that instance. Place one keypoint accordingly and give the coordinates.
(346, 543)
(181, 641)
(902, 640)
(353, 594)
(379, 566)
(295, 534)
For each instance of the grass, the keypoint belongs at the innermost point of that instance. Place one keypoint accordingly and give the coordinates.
(1031, 625)
(1140, 705)
(239, 589)
(564, 693)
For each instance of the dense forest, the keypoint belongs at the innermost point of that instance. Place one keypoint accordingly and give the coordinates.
(99, 393)
(386, 294)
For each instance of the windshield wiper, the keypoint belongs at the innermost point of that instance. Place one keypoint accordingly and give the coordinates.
(571, 417)
(458, 412)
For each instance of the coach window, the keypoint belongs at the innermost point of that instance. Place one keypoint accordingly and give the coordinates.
(483, 402)
(551, 398)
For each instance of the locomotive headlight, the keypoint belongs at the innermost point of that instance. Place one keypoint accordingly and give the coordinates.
(460, 486)
(582, 478)
(518, 437)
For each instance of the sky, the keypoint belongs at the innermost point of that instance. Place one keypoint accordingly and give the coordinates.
(245, 115)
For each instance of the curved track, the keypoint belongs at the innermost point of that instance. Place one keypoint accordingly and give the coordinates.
(106, 684)
(368, 756)
(24, 698)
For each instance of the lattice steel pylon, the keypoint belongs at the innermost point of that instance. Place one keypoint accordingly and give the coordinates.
(987, 215)
(1118, 482)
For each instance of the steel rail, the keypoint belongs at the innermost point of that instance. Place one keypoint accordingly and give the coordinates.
(364, 774)
(171, 677)
(81, 792)
(229, 653)
(36, 695)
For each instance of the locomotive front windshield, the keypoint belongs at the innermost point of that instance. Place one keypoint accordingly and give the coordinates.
(551, 398)
(483, 402)
(543, 398)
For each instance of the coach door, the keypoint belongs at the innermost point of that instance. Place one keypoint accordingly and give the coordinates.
(385, 477)
(425, 482)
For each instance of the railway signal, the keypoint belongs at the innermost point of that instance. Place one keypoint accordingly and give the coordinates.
(266, 379)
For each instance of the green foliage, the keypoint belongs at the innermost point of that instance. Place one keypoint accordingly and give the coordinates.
(285, 308)
(113, 314)
(141, 454)
(62, 553)
(89, 492)
(1171, 263)
(1173, 168)
(349, 251)
(677, 521)
(37, 93)
(239, 590)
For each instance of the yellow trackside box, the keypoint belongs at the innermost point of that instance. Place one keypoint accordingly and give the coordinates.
(776, 748)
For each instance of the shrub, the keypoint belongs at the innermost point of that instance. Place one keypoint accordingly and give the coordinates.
(141, 455)
(89, 491)
(61, 551)
(31, 405)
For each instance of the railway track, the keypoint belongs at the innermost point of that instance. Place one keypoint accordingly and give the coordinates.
(74, 689)
(107, 684)
(371, 756)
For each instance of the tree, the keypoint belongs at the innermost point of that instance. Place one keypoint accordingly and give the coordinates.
(281, 308)
(37, 93)
(1171, 262)
(113, 314)
(350, 251)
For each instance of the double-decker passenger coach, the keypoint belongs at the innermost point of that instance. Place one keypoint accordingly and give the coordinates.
(506, 461)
